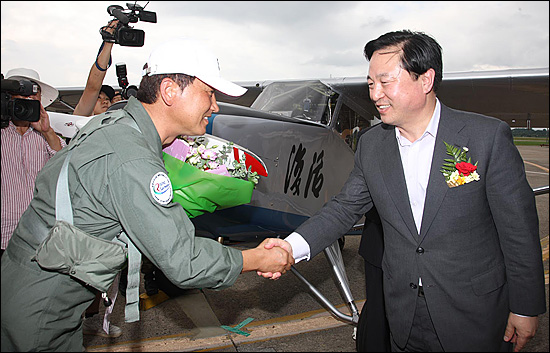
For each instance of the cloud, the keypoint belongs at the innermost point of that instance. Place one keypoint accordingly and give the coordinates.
(263, 40)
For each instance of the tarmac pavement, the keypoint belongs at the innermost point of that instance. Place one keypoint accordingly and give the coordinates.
(285, 316)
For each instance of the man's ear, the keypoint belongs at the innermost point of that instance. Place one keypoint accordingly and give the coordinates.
(428, 79)
(169, 90)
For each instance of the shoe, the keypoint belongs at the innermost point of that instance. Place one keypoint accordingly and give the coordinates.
(94, 326)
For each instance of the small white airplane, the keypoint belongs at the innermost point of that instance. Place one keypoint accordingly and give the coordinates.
(305, 132)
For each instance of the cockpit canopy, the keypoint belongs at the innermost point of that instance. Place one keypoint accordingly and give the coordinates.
(297, 99)
(318, 102)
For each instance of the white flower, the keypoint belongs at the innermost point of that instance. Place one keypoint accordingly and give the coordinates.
(209, 154)
(472, 177)
(454, 175)
(192, 152)
(194, 160)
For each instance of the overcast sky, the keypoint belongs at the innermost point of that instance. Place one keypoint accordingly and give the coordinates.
(264, 40)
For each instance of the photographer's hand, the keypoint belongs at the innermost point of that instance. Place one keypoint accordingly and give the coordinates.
(104, 55)
(43, 126)
(86, 104)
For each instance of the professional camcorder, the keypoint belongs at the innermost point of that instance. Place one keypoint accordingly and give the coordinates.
(124, 34)
(19, 108)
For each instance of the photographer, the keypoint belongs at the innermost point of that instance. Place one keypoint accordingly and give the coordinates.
(91, 101)
(26, 147)
(117, 31)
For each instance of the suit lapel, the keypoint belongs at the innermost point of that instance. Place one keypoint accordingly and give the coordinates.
(394, 178)
(448, 131)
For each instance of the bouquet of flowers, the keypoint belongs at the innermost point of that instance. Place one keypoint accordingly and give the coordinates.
(206, 176)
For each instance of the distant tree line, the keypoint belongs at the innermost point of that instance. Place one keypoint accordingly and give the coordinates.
(530, 133)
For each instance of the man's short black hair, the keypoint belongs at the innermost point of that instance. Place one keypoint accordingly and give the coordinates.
(420, 52)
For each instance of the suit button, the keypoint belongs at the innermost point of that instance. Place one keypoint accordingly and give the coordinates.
(420, 250)
(413, 286)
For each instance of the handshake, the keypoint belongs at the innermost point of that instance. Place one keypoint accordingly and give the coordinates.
(272, 258)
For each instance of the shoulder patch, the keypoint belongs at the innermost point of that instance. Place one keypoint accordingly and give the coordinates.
(161, 188)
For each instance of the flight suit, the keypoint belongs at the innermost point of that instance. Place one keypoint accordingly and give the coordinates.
(117, 181)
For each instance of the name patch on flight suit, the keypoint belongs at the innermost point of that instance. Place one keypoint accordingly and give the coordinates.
(161, 188)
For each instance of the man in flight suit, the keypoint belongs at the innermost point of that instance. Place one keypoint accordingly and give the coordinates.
(112, 179)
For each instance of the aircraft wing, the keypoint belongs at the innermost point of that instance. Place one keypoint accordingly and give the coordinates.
(69, 97)
(517, 96)
(67, 100)
(67, 125)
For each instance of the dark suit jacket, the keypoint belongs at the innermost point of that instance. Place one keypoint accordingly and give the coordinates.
(478, 252)
(371, 247)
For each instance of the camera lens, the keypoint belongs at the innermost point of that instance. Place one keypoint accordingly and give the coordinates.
(21, 111)
(128, 36)
(25, 109)
(131, 91)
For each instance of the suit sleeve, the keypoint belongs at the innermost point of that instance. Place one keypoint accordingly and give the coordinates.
(513, 207)
(341, 213)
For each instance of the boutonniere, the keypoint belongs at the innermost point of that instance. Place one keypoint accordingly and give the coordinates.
(459, 170)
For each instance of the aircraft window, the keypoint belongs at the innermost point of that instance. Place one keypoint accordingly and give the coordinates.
(300, 99)
(349, 124)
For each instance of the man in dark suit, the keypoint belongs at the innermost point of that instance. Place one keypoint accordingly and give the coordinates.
(462, 259)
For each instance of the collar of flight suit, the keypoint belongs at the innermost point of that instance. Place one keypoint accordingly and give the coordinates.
(148, 129)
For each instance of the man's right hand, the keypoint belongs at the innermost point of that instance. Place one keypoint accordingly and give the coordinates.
(270, 244)
(268, 258)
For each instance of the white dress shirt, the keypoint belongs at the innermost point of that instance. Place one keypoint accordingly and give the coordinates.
(416, 158)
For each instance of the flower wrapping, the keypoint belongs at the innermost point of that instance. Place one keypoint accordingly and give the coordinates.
(199, 191)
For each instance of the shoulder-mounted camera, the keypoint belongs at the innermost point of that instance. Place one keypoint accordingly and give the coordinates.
(124, 34)
(19, 108)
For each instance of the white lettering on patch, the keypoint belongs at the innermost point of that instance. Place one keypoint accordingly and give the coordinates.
(161, 188)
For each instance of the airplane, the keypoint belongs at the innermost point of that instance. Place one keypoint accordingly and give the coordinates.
(305, 132)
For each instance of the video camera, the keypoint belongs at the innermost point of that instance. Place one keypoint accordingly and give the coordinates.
(124, 34)
(19, 108)
(127, 90)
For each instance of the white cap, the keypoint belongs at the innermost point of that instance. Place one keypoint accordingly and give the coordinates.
(192, 58)
(49, 94)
